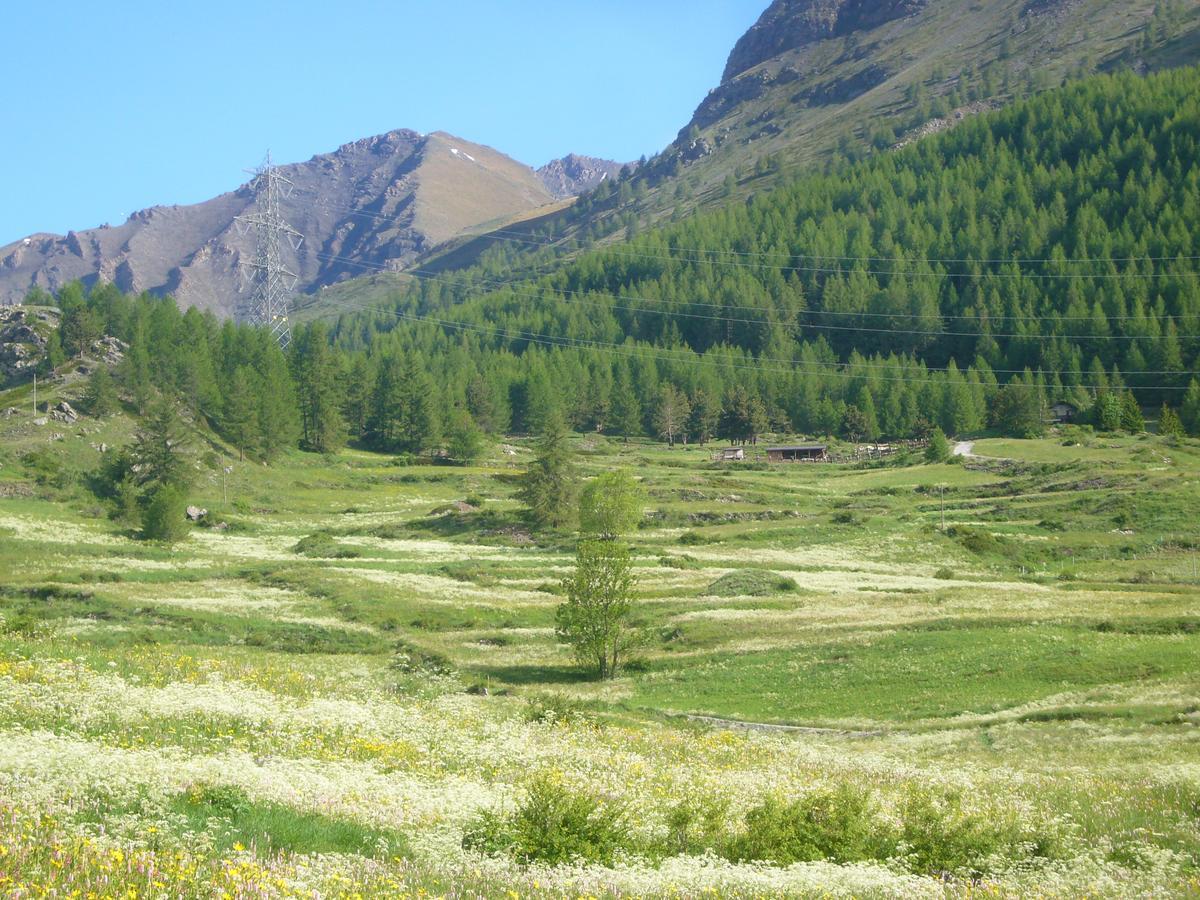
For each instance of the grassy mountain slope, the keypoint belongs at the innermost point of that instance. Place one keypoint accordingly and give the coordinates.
(1056, 235)
(819, 79)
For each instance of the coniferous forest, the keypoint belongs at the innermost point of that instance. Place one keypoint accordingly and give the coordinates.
(1046, 252)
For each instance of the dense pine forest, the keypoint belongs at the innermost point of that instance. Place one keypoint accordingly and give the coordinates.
(1046, 252)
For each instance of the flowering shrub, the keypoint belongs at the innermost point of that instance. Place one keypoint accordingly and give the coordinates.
(553, 825)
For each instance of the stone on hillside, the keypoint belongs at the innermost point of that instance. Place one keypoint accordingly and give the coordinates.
(64, 412)
(196, 513)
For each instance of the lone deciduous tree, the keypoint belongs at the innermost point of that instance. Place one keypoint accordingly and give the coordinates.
(611, 505)
(671, 414)
(594, 620)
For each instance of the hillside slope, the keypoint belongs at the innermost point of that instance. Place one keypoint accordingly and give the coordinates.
(373, 202)
(815, 80)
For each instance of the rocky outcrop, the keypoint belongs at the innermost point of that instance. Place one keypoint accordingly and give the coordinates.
(22, 340)
(791, 24)
(573, 174)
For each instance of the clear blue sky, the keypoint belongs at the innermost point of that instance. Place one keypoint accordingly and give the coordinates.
(112, 107)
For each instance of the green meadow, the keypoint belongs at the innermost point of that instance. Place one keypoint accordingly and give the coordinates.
(346, 678)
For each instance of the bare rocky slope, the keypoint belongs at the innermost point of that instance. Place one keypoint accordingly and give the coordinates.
(574, 174)
(373, 203)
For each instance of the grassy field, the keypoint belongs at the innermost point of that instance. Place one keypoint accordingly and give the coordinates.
(994, 661)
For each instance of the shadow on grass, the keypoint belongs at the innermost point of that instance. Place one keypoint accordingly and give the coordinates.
(531, 675)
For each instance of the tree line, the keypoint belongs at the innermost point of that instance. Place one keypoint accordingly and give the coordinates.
(867, 303)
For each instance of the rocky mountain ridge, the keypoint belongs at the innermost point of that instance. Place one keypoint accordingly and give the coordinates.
(574, 174)
(370, 205)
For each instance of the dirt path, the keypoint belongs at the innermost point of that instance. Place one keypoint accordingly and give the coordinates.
(965, 448)
(738, 725)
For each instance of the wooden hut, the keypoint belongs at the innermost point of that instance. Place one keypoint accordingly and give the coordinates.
(798, 453)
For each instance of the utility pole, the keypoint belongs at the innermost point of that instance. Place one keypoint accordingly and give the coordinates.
(35, 393)
(272, 281)
(225, 470)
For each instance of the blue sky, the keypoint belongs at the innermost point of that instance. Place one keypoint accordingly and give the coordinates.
(112, 107)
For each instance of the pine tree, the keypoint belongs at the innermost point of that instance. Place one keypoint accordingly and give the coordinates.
(165, 519)
(870, 420)
(278, 414)
(100, 398)
(159, 448)
(240, 420)
(549, 487)
(1131, 414)
(938, 450)
(483, 405)
(1168, 423)
(705, 414)
(356, 404)
(1189, 412)
(626, 407)
(464, 440)
(386, 404)
(420, 423)
(318, 387)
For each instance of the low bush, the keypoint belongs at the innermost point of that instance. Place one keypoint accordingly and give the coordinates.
(323, 545)
(684, 561)
(552, 708)
(829, 824)
(553, 825)
(412, 660)
(165, 518)
(750, 583)
(939, 836)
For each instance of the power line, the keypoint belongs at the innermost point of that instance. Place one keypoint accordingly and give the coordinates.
(272, 281)
(838, 270)
(599, 298)
(791, 367)
(525, 239)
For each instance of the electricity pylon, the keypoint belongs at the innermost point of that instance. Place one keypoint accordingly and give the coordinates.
(270, 280)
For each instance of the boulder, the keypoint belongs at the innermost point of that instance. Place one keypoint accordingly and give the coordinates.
(64, 412)
(195, 513)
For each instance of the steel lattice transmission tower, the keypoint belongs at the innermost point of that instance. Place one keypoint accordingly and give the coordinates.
(271, 282)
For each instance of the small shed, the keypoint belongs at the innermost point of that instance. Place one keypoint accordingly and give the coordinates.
(798, 453)
(1063, 412)
(733, 454)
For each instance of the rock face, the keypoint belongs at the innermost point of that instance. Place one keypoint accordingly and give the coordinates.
(574, 174)
(370, 205)
(22, 344)
(791, 24)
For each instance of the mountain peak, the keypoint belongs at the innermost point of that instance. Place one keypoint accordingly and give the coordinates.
(374, 203)
(791, 24)
(574, 174)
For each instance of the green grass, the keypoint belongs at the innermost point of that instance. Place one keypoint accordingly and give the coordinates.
(932, 673)
(1049, 632)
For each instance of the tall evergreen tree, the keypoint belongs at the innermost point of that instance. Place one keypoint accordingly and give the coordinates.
(100, 398)
(240, 420)
(626, 407)
(318, 389)
(550, 486)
